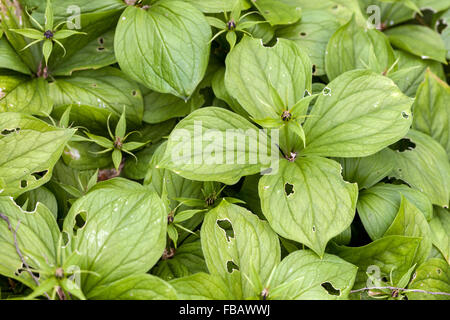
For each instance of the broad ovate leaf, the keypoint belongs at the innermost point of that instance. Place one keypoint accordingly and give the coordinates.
(432, 110)
(379, 205)
(358, 114)
(214, 144)
(432, 276)
(96, 94)
(188, 260)
(202, 286)
(30, 97)
(239, 247)
(312, 34)
(302, 275)
(123, 234)
(98, 53)
(440, 231)
(37, 235)
(30, 149)
(165, 47)
(138, 287)
(381, 258)
(308, 201)
(412, 223)
(367, 171)
(252, 69)
(418, 40)
(355, 47)
(278, 11)
(9, 59)
(159, 107)
(214, 6)
(424, 166)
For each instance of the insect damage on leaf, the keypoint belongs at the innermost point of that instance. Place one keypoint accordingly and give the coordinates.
(231, 150)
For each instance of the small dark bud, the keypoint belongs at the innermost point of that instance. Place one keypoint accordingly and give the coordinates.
(48, 34)
(291, 156)
(231, 25)
(286, 116)
(59, 273)
(118, 143)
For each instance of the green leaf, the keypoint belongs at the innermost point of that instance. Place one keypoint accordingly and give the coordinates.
(412, 223)
(94, 95)
(49, 15)
(411, 72)
(121, 127)
(30, 97)
(312, 34)
(159, 179)
(40, 195)
(214, 6)
(302, 275)
(368, 171)
(231, 235)
(138, 287)
(432, 276)
(358, 114)
(96, 54)
(432, 110)
(9, 59)
(47, 48)
(389, 254)
(159, 107)
(101, 141)
(418, 40)
(16, 19)
(188, 260)
(221, 92)
(150, 46)
(354, 47)
(379, 205)
(63, 34)
(30, 149)
(117, 158)
(203, 147)
(30, 33)
(296, 201)
(202, 286)
(279, 11)
(251, 68)
(424, 167)
(85, 156)
(124, 233)
(37, 237)
(440, 231)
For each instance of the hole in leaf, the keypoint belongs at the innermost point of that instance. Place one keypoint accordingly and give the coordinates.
(39, 175)
(80, 221)
(330, 289)
(227, 227)
(303, 34)
(65, 238)
(438, 271)
(5, 132)
(288, 189)
(231, 266)
(405, 115)
(403, 145)
(314, 69)
(23, 184)
(100, 49)
(314, 229)
(101, 40)
(134, 93)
